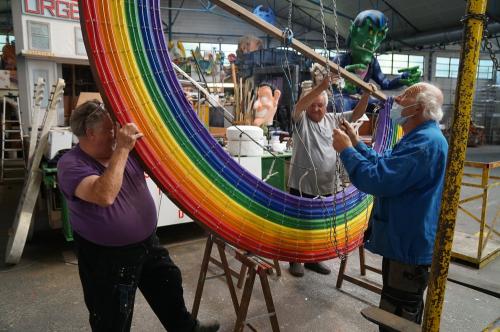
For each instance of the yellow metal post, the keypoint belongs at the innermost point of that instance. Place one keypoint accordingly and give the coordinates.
(473, 31)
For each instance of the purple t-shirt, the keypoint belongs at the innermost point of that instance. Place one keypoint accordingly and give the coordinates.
(130, 219)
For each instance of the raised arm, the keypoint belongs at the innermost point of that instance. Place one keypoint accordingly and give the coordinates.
(308, 99)
(360, 108)
(102, 190)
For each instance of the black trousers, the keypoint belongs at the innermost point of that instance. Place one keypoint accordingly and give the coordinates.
(296, 192)
(403, 289)
(110, 277)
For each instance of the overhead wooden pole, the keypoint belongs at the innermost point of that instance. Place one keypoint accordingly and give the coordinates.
(256, 21)
(473, 32)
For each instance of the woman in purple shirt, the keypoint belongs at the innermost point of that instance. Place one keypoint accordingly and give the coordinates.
(114, 221)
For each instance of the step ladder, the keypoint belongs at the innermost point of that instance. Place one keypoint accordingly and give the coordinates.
(13, 162)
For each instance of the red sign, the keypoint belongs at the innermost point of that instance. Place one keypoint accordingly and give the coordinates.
(65, 9)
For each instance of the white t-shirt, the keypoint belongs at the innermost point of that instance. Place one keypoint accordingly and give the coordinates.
(313, 141)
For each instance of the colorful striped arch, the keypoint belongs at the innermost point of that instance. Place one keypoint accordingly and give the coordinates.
(128, 55)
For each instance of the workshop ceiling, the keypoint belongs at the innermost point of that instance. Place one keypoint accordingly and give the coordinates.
(413, 24)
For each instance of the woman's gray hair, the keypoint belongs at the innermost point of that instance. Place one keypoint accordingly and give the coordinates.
(431, 98)
(90, 114)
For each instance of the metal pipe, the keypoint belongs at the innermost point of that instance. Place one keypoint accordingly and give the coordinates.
(469, 58)
(445, 37)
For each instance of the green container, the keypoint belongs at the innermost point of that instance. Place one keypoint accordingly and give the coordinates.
(278, 175)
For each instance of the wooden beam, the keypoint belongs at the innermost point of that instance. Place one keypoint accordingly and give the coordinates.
(389, 321)
(254, 20)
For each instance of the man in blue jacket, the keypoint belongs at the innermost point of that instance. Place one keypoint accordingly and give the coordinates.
(407, 183)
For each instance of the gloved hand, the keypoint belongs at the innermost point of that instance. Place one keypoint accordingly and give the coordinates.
(410, 75)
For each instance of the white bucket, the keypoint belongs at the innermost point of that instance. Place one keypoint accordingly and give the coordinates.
(241, 141)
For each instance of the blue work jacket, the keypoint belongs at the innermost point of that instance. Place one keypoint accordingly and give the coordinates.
(407, 183)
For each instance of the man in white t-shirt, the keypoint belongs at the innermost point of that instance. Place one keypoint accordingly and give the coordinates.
(312, 169)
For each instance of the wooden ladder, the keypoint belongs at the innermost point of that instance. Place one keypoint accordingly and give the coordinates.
(13, 162)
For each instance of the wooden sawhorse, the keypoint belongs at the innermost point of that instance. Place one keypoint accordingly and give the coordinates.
(362, 267)
(254, 265)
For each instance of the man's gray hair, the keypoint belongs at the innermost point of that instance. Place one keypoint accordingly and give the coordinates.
(90, 114)
(324, 94)
(431, 98)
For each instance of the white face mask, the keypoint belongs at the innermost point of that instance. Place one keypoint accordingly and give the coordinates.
(396, 113)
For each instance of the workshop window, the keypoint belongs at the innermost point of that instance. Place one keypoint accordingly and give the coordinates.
(39, 36)
(485, 69)
(447, 67)
(209, 48)
(391, 63)
(190, 47)
(4, 39)
(228, 49)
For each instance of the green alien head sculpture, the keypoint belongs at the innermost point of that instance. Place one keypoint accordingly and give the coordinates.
(366, 33)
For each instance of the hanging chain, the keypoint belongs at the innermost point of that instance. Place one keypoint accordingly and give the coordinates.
(339, 167)
(325, 43)
(489, 46)
(287, 31)
(290, 11)
(487, 43)
(333, 225)
(337, 50)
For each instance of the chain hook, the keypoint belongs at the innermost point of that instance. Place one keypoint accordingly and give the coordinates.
(287, 36)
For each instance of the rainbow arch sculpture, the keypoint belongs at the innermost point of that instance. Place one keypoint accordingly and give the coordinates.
(128, 55)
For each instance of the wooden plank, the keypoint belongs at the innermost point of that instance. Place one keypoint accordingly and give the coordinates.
(362, 283)
(29, 195)
(37, 100)
(389, 321)
(475, 164)
(254, 20)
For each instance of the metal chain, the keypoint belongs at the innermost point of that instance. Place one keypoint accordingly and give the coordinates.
(325, 43)
(337, 50)
(489, 46)
(290, 11)
(287, 31)
(339, 168)
(333, 225)
(487, 43)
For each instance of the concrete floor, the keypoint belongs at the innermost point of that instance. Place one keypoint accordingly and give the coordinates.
(43, 292)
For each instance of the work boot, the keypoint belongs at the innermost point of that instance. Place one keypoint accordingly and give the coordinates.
(319, 267)
(212, 326)
(296, 269)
